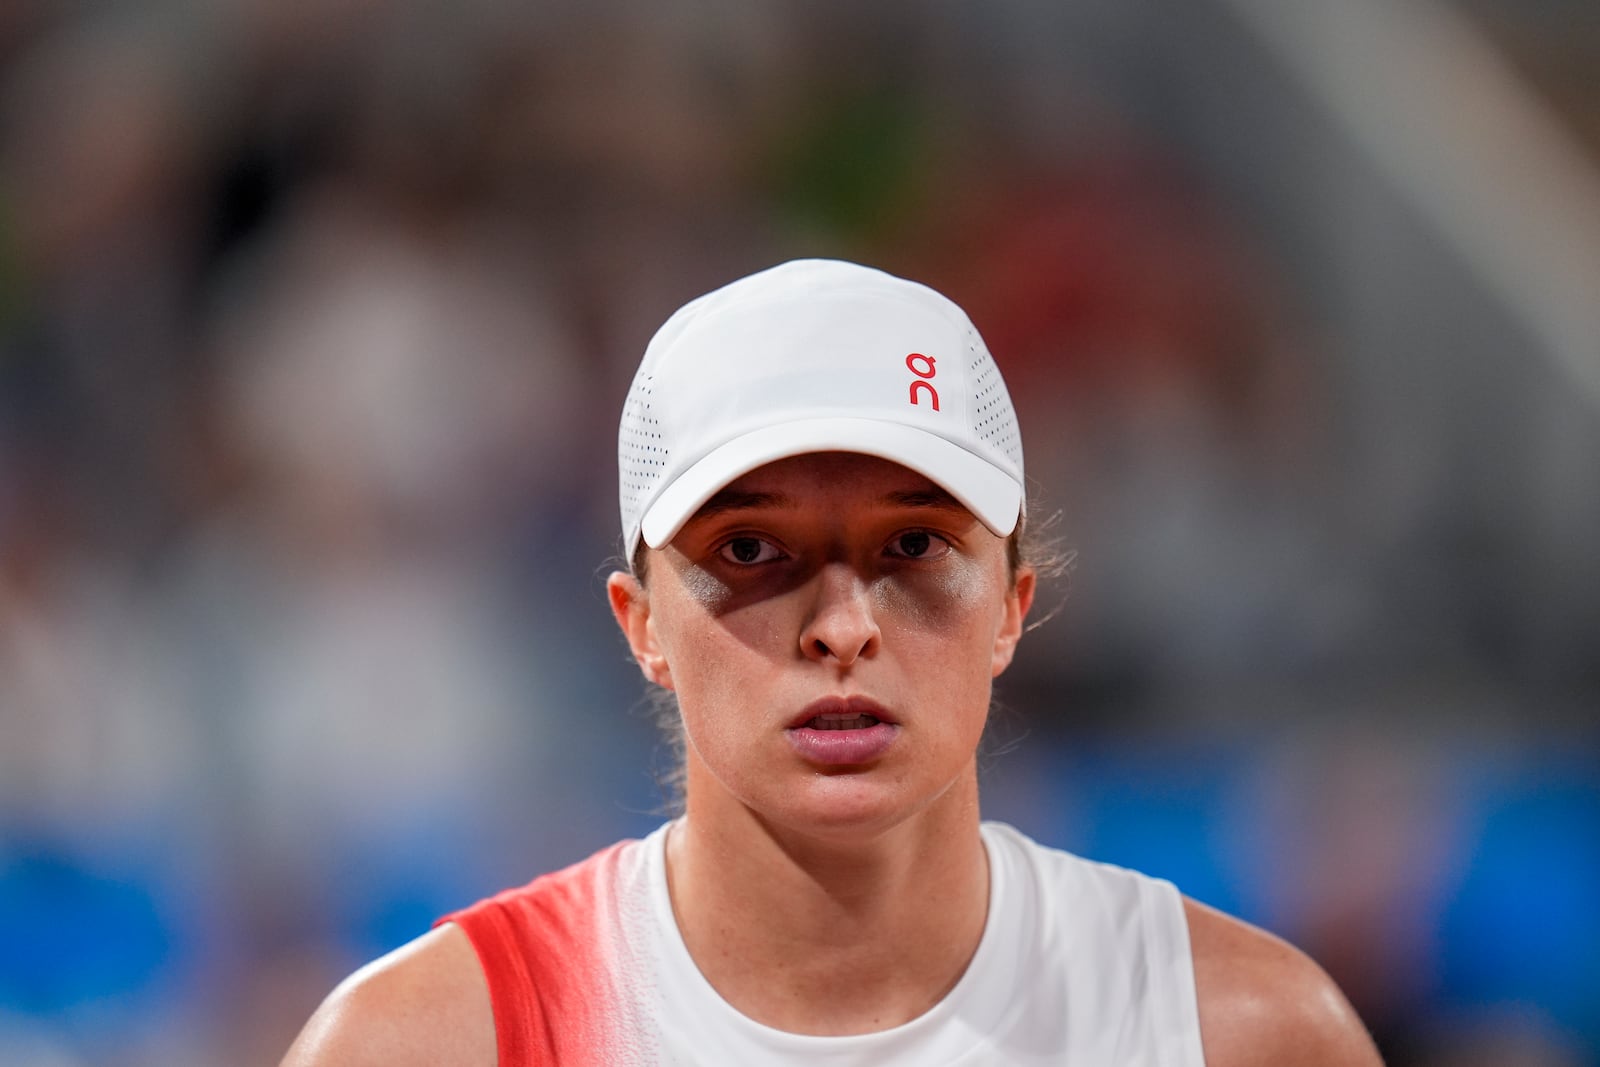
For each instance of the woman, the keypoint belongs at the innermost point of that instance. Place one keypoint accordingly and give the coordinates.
(822, 502)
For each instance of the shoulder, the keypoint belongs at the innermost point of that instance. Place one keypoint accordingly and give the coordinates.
(1262, 1001)
(425, 1003)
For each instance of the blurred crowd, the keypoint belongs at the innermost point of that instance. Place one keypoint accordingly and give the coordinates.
(315, 322)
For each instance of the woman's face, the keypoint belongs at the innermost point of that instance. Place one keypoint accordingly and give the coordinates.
(831, 625)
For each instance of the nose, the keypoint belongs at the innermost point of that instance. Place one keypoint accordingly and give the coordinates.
(842, 625)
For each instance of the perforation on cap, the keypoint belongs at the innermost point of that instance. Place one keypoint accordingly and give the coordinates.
(642, 450)
(994, 419)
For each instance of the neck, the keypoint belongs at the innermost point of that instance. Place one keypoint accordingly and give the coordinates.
(840, 934)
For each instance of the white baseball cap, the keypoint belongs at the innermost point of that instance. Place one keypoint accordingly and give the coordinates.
(815, 355)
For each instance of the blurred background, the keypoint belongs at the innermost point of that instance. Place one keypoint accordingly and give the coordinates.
(316, 318)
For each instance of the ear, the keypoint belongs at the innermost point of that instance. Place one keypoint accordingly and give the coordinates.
(1018, 601)
(630, 603)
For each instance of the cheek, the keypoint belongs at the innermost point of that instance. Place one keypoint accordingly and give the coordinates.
(706, 590)
(750, 613)
(943, 627)
(717, 660)
(951, 607)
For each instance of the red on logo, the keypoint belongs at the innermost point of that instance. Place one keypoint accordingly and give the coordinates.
(922, 375)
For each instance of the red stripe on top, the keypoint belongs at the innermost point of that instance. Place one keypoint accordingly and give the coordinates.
(547, 950)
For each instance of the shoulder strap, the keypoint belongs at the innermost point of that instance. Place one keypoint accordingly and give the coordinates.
(543, 949)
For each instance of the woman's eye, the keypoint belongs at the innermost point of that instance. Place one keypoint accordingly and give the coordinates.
(746, 550)
(918, 544)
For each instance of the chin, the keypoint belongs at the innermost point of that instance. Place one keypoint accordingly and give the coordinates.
(849, 805)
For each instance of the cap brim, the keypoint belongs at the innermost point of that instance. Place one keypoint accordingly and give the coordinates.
(992, 495)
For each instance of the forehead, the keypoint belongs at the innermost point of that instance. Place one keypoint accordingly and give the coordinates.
(831, 479)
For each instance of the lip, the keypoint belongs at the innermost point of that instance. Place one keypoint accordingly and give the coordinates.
(842, 748)
(842, 705)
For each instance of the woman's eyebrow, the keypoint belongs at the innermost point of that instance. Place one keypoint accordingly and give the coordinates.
(738, 500)
(932, 497)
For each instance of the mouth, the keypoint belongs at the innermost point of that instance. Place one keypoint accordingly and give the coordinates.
(841, 722)
(841, 713)
(840, 735)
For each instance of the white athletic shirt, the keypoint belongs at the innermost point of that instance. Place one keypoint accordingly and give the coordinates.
(1080, 963)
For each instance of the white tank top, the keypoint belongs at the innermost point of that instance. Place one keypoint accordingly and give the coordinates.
(1080, 963)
